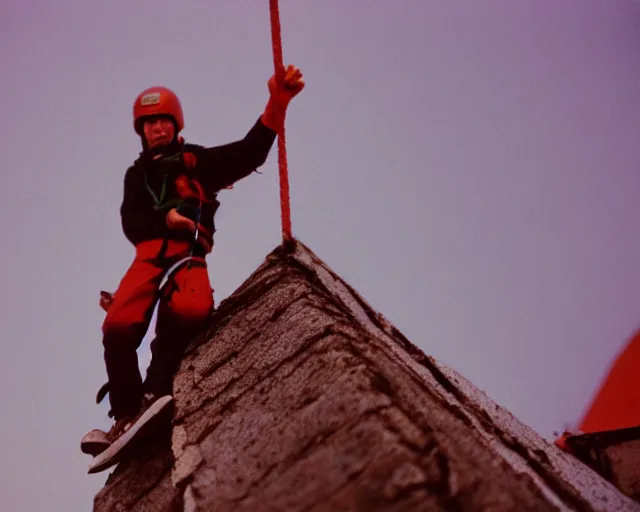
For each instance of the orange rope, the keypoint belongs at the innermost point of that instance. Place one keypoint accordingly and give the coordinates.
(276, 41)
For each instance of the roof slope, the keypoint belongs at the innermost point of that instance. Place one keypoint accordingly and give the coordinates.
(301, 397)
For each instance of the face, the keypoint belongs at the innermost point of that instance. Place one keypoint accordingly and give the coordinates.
(158, 130)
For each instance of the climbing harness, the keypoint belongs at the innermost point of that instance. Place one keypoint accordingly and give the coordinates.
(194, 242)
(158, 201)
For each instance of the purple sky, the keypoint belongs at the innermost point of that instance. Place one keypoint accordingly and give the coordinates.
(472, 170)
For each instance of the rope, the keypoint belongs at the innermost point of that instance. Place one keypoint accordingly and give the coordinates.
(276, 42)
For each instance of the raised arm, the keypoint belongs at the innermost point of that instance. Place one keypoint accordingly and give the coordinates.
(229, 163)
(226, 164)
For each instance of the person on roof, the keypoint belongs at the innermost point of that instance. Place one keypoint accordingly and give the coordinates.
(167, 213)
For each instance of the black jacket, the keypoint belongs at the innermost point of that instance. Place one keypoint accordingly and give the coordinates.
(151, 186)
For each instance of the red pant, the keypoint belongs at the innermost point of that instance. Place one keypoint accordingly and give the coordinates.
(186, 303)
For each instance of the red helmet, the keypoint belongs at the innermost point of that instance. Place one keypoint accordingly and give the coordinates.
(156, 101)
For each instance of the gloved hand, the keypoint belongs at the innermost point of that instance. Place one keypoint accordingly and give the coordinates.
(281, 95)
(292, 85)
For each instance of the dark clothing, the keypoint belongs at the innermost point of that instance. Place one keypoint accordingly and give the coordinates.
(187, 177)
(145, 206)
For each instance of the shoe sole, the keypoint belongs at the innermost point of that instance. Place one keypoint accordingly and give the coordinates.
(94, 442)
(112, 455)
(94, 448)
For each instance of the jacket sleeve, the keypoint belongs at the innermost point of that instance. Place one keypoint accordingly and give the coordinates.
(139, 220)
(224, 165)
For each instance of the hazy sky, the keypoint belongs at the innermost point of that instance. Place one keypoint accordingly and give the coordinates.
(471, 168)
